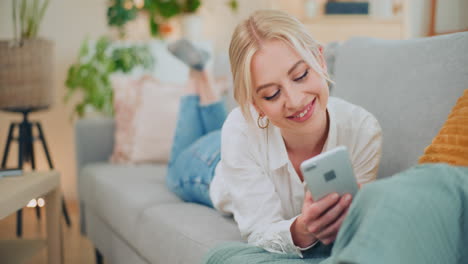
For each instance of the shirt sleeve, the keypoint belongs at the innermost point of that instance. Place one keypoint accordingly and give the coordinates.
(368, 150)
(253, 201)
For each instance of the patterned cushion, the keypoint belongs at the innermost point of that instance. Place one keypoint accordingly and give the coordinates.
(451, 144)
(145, 118)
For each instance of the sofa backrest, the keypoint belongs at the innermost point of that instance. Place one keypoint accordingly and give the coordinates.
(409, 85)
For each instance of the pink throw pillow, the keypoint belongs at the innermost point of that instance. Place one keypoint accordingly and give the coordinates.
(145, 117)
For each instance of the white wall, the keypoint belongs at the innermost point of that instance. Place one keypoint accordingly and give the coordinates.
(452, 15)
(220, 21)
(418, 18)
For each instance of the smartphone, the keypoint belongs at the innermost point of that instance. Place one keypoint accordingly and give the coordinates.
(330, 172)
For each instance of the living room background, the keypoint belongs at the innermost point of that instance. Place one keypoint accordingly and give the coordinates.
(68, 22)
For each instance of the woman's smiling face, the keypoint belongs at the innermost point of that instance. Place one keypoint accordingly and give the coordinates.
(286, 89)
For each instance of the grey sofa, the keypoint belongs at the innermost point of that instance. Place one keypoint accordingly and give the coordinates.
(130, 216)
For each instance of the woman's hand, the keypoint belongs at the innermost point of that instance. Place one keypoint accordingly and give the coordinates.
(320, 220)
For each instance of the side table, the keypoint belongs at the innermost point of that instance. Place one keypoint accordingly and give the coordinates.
(15, 193)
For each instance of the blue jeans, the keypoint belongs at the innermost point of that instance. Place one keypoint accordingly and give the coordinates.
(195, 149)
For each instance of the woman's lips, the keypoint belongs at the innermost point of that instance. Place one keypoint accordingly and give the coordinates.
(304, 114)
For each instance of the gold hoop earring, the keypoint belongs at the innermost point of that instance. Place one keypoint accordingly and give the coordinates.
(260, 125)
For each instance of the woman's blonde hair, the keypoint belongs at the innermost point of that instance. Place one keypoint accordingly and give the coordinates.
(247, 39)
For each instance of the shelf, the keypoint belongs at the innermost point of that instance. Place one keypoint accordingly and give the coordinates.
(328, 28)
(345, 19)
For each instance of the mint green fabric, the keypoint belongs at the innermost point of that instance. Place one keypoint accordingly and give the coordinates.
(419, 216)
(242, 253)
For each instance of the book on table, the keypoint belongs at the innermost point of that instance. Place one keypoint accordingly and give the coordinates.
(11, 172)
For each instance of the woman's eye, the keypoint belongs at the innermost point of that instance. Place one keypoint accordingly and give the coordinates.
(273, 96)
(302, 76)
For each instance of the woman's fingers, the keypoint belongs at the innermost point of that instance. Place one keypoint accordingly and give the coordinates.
(323, 218)
(332, 230)
(328, 240)
(330, 217)
(308, 198)
(315, 209)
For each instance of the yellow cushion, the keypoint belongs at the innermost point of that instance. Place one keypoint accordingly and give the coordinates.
(451, 144)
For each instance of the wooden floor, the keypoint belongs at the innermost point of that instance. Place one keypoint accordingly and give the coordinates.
(77, 249)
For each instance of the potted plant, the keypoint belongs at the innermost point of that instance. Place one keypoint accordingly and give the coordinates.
(120, 12)
(191, 22)
(90, 74)
(158, 12)
(26, 61)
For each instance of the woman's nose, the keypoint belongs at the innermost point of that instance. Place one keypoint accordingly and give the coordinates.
(294, 98)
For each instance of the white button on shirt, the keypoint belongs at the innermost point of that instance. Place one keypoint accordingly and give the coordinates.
(257, 184)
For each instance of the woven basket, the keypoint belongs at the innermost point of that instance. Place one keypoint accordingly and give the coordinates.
(26, 74)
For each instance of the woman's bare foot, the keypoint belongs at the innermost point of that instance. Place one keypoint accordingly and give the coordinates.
(222, 85)
(191, 87)
(204, 86)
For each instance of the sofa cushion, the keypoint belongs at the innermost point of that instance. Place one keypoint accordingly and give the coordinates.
(119, 194)
(409, 85)
(182, 233)
(86, 181)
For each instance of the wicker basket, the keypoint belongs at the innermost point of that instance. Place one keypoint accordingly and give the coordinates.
(26, 74)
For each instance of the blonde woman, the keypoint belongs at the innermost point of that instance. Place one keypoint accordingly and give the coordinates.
(285, 116)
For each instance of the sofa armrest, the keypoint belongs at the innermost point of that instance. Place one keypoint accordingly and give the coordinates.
(94, 139)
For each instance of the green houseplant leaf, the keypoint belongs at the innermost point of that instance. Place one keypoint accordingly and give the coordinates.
(169, 8)
(191, 6)
(91, 73)
(29, 14)
(118, 15)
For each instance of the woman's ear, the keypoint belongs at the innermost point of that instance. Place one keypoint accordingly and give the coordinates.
(322, 60)
(259, 111)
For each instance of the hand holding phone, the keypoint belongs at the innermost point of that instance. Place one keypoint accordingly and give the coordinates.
(331, 183)
(320, 220)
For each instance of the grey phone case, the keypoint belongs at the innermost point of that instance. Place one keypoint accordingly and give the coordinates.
(330, 172)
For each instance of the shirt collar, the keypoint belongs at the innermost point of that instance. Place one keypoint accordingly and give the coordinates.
(277, 154)
(275, 147)
(332, 135)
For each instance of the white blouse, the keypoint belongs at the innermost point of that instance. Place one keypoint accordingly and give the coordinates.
(256, 182)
